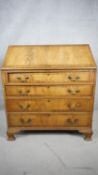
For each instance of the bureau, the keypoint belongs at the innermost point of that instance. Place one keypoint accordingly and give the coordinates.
(49, 87)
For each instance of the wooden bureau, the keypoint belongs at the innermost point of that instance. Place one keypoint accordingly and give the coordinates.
(49, 88)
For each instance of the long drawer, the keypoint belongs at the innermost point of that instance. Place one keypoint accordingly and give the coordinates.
(48, 77)
(53, 90)
(50, 104)
(49, 120)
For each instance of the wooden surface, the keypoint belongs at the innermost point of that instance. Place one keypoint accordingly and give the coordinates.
(49, 88)
(53, 77)
(56, 56)
(52, 105)
(53, 120)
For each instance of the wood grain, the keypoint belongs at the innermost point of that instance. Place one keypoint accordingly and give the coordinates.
(49, 120)
(49, 77)
(55, 56)
(54, 105)
(49, 88)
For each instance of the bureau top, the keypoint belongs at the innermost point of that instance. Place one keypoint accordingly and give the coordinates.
(49, 57)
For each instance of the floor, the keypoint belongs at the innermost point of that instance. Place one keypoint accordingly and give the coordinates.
(48, 153)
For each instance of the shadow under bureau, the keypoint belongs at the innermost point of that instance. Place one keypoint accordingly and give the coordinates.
(49, 87)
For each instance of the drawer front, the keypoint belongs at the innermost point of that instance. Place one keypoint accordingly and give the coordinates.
(70, 90)
(51, 77)
(49, 120)
(53, 105)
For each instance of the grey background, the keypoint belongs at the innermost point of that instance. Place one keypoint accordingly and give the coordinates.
(48, 22)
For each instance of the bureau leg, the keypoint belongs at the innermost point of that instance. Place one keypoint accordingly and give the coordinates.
(10, 136)
(88, 136)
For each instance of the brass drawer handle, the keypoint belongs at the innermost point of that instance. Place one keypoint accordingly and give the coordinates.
(72, 121)
(25, 121)
(69, 121)
(73, 79)
(27, 92)
(26, 78)
(74, 106)
(73, 92)
(22, 80)
(77, 78)
(24, 107)
(24, 93)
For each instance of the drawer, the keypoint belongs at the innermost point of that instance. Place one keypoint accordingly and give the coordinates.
(49, 120)
(50, 77)
(52, 90)
(50, 104)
